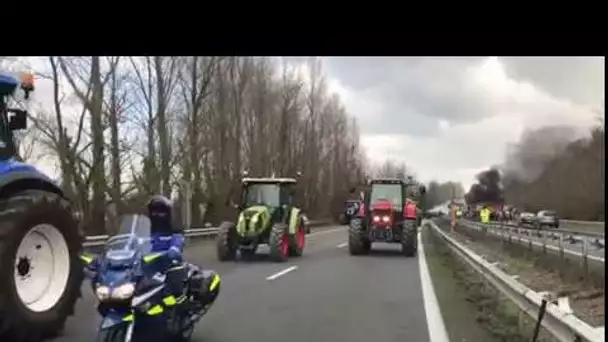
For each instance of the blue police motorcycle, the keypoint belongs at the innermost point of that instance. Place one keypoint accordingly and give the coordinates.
(130, 283)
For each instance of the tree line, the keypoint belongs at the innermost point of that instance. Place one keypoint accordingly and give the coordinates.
(439, 193)
(121, 128)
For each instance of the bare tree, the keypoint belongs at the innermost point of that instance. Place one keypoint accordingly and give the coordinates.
(205, 120)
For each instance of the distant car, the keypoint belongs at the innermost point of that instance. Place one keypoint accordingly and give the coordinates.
(527, 218)
(547, 218)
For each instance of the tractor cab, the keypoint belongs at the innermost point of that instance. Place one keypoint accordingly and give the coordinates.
(276, 194)
(384, 200)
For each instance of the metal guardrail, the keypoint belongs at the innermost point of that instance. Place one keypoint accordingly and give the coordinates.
(571, 224)
(571, 235)
(580, 224)
(574, 236)
(563, 325)
(99, 240)
(506, 232)
(574, 227)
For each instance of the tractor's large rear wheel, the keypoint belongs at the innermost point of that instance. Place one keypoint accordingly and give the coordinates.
(279, 242)
(358, 242)
(298, 240)
(225, 241)
(42, 272)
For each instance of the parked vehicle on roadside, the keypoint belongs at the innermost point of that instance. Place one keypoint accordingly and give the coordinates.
(526, 218)
(547, 218)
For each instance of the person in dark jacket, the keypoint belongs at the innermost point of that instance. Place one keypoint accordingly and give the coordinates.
(166, 238)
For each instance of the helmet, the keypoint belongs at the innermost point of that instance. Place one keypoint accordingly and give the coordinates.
(159, 212)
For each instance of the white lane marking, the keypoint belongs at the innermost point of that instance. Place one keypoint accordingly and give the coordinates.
(281, 273)
(342, 245)
(326, 232)
(434, 320)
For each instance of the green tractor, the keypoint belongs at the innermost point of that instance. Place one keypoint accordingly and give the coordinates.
(267, 215)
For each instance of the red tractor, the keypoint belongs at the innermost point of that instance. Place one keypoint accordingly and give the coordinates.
(386, 215)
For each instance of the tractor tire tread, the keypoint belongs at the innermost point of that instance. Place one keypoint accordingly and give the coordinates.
(226, 249)
(277, 232)
(358, 244)
(18, 214)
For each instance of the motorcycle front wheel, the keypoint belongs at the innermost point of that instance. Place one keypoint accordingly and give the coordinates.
(118, 333)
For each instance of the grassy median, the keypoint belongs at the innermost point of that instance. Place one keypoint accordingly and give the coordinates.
(472, 309)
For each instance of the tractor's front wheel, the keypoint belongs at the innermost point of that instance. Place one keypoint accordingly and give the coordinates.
(358, 243)
(279, 242)
(298, 240)
(225, 241)
(409, 241)
(42, 271)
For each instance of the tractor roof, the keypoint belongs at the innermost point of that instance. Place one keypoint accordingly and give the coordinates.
(269, 180)
(387, 181)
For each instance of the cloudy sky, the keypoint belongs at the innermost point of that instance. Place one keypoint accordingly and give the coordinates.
(449, 118)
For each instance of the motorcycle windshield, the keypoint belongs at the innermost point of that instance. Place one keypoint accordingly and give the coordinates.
(133, 238)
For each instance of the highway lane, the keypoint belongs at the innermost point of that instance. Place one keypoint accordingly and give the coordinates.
(331, 296)
(82, 325)
(324, 295)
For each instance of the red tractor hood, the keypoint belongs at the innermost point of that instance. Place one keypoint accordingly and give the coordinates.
(382, 205)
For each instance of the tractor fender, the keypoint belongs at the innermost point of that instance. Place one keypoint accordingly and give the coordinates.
(293, 220)
(17, 176)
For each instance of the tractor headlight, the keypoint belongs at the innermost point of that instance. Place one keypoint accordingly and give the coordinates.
(124, 291)
(102, 292)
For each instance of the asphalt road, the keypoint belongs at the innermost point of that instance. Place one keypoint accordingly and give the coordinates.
(326, 295)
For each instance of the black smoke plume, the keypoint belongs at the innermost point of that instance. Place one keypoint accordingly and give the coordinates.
(488, 188)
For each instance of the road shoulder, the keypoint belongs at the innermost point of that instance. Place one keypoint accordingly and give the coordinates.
(434, 319)
(460, 312)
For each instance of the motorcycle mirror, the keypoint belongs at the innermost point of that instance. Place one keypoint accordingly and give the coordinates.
(18, 119)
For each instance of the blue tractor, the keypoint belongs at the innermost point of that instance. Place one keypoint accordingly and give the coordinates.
(40, 269)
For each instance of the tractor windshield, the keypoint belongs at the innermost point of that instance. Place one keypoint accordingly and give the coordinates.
(387, 192)
(263, 194)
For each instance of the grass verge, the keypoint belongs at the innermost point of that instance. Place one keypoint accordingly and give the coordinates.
(540, 271)
(471, 308)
